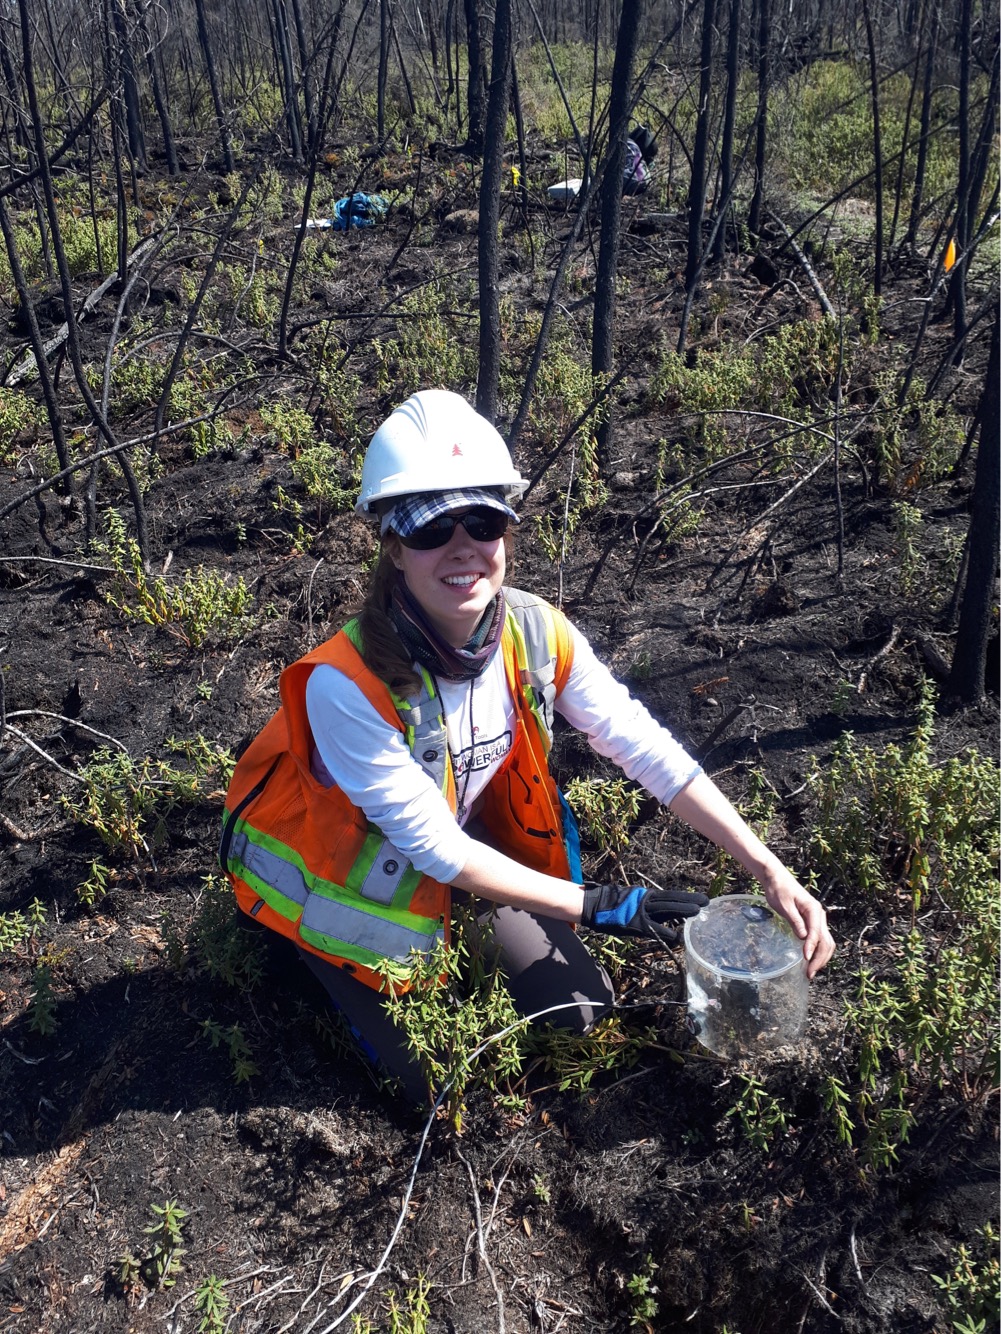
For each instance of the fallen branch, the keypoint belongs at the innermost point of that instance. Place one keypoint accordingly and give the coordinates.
(887, 648)
(44, 753)
(70, 722)
(807, 268)
(481, 1245)
(24, 368)
(777, 504)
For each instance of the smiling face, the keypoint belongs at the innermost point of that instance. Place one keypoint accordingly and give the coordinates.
(455, 583)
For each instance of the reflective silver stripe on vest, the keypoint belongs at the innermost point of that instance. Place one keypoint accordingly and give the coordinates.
(385, 874)
(540, 671)
(423, 720)
(269, 867)
(353, 926)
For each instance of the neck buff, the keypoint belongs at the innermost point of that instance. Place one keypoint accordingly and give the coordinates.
(423, 642)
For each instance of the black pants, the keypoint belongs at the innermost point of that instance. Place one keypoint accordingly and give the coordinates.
(545, 964)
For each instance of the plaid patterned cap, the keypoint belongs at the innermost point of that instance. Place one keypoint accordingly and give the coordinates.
(414, 511)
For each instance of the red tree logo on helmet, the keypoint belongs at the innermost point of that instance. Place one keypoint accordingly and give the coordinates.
(456, 452)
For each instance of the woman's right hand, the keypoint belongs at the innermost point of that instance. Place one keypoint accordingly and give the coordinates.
(624, 910)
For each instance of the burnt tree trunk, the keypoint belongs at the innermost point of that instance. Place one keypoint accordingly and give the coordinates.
(488, 377)
(217, 103)
(761, 118)
(877, 148)
(729, 116)
(602, 349)
(966, 678)
(476, 80)
(924, 133)
(697, 188)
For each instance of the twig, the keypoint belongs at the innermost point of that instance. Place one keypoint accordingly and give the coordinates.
(566, 525)
(855, 1259)
(71, 722)
(26, 835)
(51, 560)
(787, 495)
(887, 648)
(481, 1243)
(319, 1284)
(807, 268)
(721, 727)
(44, 754)
(309, 611)
(28, 1060)
(820, 1297)
(25, 367)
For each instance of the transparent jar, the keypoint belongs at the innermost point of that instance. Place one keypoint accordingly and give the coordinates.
(746, 977)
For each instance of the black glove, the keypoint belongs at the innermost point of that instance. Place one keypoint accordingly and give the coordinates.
(621, 910)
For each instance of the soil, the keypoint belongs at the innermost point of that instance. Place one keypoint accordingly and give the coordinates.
(537, 1219)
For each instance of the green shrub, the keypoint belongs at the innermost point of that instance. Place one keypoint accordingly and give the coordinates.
(204, 605)
(19, 414)
(894, 819)
(908, 832)
(16, 928)
(126, 801)
(605, 807)
(434, 347)
(457, 1001)
(292, 429)
(971, 1288)
(219, 945)
(329, 477)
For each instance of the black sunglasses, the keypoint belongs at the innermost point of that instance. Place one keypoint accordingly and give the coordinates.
(481, 523)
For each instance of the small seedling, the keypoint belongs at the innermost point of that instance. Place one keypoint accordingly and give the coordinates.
(761, 1115)
(212, 1305)
(643, 1295)
(16, 928)
(413, 1316)
(234, 1040)
(42, 1006)
(95, 886)
(162, 1266)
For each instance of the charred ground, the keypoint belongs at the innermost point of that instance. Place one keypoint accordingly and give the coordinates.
(294, 1179)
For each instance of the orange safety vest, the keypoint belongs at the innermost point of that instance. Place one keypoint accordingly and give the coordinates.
(308, 864)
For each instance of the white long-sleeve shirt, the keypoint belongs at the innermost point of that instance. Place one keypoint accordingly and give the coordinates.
(370, 762)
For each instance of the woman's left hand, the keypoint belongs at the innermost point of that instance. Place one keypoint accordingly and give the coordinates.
(803, 912)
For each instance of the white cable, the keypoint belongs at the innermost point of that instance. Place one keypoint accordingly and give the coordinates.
(478, 1051)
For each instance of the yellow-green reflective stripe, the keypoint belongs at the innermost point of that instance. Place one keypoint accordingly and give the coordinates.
(536, 656)
(266, 870)
(270, 867)
(339, 923)
(381, 872)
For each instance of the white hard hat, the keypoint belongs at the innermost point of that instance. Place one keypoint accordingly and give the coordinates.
(435, 442)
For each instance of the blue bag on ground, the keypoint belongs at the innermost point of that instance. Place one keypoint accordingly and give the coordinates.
(358, 210)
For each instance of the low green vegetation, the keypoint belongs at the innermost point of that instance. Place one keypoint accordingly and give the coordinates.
(161, 1264)
(203, 606)
(19, 415)
(126, 801)
(233, 1040)
(406, 1313)
(972, 1287)
(457, 1005)
(18, 928)
(605, 808)
(644, 1304)
(917, 837)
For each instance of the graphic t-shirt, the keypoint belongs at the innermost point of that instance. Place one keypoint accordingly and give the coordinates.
(370, 762)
